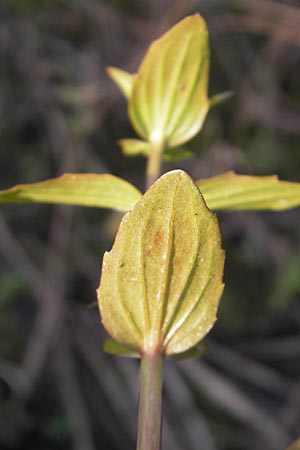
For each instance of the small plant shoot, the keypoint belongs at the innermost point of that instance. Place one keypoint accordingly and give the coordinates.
(169, 101)
(161, 282)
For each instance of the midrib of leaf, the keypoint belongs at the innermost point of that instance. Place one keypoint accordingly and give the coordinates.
(155, 328)
(186, 105)
(169, 261)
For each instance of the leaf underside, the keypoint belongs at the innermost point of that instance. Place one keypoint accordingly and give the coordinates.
(162, 280)
(230, 191)
(98, 190)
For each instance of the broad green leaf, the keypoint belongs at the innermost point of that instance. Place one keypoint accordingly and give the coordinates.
(162, 281)
(123, 80)
(169, 95)
(133, 147)
(231, 191)
(98, 190)
(295, 445)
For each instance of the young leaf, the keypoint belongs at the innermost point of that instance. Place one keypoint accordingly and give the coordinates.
(169, 95)
(123, 80)
(175, 154)
(231, 191)
(132, 147)
(162, 280)
(114, 348)
(220, 98)
(98, 190)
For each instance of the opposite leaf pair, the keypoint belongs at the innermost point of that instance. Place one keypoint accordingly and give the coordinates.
(167, 97)
(227, 191)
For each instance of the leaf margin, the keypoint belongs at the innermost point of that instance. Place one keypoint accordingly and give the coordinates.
(109, 191)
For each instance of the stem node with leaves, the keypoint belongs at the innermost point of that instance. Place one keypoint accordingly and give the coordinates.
(162, 280)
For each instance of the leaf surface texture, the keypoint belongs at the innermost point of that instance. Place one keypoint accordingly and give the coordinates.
(162, 281)
(230, 191)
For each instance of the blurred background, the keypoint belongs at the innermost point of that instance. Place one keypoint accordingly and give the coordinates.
(60, 112)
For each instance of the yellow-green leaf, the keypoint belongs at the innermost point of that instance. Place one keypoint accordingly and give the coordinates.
(295, 445)
(231, 191)
(133, 147)
(123, 80)
(162, 281)
(169, 95)
(98, 190)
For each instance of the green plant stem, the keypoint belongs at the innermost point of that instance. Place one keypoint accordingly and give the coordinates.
(150, 403)
(154, 163)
